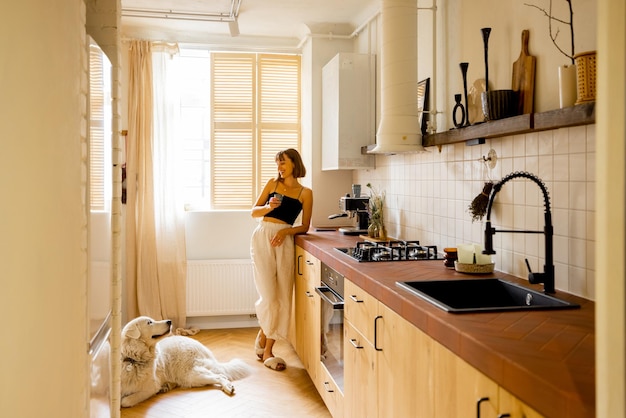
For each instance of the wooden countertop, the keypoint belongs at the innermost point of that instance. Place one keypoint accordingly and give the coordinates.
(544, 358)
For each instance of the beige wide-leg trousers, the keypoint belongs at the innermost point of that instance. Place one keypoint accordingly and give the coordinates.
(274, 278)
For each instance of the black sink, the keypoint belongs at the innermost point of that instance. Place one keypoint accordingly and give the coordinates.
(482, 295)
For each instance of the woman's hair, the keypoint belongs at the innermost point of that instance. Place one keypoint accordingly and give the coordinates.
(298, 166)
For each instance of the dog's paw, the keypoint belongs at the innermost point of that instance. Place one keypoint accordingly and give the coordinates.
(228, 388)
(126, 403)
(167, 387)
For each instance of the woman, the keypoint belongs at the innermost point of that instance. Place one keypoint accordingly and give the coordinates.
(272, 251)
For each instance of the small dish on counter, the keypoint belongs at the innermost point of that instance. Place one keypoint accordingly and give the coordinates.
(474, 268)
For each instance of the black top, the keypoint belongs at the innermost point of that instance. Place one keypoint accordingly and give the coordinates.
(288, 210)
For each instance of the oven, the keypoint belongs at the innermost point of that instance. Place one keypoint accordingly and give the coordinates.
(331, 295)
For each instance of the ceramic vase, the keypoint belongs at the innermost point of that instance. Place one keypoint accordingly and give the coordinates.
(567, 85)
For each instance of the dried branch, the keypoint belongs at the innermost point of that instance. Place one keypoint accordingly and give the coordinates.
(555, 33)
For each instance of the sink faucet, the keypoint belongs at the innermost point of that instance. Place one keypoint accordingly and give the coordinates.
(547, 277)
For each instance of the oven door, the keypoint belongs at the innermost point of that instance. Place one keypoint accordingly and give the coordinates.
(331, 353)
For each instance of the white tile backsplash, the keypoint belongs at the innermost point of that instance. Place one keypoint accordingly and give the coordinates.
(428, 195)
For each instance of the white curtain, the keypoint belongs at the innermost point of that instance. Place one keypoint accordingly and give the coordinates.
(156, 253)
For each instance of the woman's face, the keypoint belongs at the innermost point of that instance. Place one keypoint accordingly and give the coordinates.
(285, 166)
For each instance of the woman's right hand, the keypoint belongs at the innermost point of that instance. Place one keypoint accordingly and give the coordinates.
(274, 202)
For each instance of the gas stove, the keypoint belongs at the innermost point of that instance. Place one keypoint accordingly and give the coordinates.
(391, 251)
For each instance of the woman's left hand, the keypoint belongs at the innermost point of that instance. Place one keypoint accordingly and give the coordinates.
(278, 239)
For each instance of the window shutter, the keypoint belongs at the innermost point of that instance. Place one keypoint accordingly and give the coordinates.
(254, 106)
(279, 111)
(96, 130)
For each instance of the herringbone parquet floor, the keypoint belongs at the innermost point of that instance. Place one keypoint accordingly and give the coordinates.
(265, 393)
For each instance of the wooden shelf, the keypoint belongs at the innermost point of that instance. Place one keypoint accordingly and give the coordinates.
(582, 114)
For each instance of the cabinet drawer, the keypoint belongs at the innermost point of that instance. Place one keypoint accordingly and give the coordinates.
(361, 309)
(330, 392)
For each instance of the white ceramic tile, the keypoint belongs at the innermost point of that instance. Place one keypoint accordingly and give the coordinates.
(532, 164)
(577, 224)
(545, 167)
(560, 250)
(577, 139)
(577, 252)
(577, 195)
(519, 146)
(545, 142)
(561, 167)
(561, 276)
(577, 167)
(507, 147)
(560, 222)
(591, 166)
(577, 280)
(532, 144)
(531, 244)
(591, 138)
(591, 284)
(591, 254)
(559, 195)
(591, 198)
(561, 141)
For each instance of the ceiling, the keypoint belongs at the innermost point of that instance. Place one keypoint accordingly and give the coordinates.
(286, 20)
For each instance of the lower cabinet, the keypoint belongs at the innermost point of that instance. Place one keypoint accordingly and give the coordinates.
(391, 367)
(399, 371)
(307, 311)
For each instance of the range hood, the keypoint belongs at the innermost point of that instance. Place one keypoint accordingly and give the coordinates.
(399, 129)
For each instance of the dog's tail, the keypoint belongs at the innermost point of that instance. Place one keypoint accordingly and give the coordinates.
(234, 369)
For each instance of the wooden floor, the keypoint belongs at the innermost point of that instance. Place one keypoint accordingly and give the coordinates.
(265, 393)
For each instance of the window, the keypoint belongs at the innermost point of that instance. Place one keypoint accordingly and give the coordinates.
(237, 111)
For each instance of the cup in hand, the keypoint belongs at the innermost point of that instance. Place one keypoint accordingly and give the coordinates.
(278, 197)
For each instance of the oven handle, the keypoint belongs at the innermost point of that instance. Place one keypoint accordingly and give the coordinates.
(322, 292)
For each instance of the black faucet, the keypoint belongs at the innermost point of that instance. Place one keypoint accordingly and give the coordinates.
(547, 277)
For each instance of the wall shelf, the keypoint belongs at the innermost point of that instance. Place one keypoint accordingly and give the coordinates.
(582, 114)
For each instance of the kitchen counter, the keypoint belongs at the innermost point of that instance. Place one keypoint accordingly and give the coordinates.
(544, 358)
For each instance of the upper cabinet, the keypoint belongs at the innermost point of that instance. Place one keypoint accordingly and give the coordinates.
(348, 111)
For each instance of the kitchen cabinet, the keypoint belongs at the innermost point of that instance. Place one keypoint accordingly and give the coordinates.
(307, 311)
(405, 374)
(362, 323)
(307, 324)
(471, 390)
(348, 109)
(393, 369)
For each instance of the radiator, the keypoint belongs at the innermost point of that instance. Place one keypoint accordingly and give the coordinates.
(220, 287)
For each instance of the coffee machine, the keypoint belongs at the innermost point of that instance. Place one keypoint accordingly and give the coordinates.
(354, 207)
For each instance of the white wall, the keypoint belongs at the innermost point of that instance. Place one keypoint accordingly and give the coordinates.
(43, 220)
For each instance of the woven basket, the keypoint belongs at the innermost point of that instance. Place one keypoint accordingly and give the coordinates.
(586, 76)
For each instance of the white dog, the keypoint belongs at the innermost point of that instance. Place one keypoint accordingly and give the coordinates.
(154, 361)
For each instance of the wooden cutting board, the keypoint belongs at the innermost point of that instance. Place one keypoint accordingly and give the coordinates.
(524, 77)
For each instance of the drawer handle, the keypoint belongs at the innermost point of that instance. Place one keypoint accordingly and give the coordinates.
(299, 271)
(354, 298)
(308, 294)
(376, 333)
(355, 344)
(504, 416)
(481, 400)
(328, 387)
(309, 262)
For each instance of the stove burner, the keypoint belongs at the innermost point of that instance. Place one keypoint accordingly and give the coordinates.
(391, 251)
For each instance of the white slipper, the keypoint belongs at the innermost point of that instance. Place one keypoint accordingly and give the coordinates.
(257, 346)
(275, 363)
